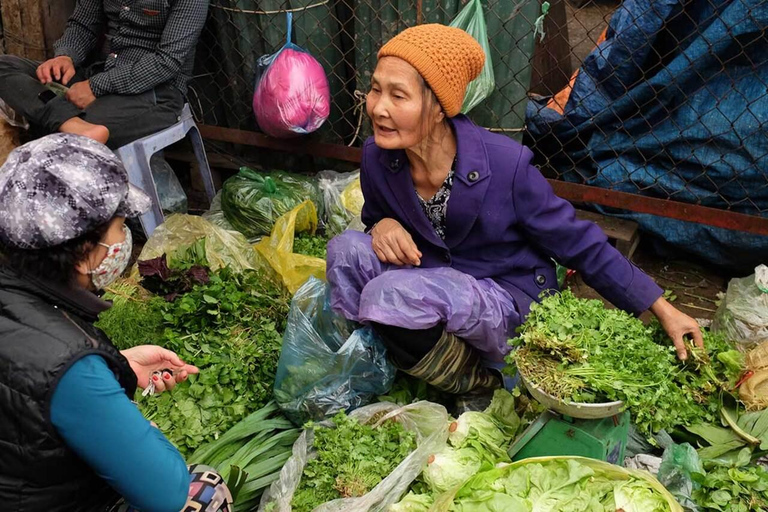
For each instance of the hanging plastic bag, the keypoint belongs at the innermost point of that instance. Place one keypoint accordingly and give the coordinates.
(253, 201)
(743, 314)
(222, 248)
(292, 95)
(294, 269)
(172, 196)
(471, 20)
(342, 199)
(326, 364)
(430, 423)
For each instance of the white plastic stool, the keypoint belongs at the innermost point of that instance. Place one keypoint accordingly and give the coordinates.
(136, 156)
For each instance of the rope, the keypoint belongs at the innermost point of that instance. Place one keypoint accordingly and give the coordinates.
(360, 109)
(279, 11)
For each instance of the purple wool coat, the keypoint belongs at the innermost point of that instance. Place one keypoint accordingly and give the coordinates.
(504, 222)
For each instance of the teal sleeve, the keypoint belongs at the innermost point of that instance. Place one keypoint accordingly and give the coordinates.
(97, 421)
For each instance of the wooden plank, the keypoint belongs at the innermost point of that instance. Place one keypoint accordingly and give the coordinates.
(624, 232)
(23, 28)
(618, 229)
(55, 14)
(13, 29)
(551, 59)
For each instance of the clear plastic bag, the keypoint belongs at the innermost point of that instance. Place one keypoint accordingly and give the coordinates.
(292, 95)
(222, 248)
(743, 313)
(342, 199)
(294, 269)
(428, 420)
(471, 19)
(215, 215)
(327, 364)
(11, 117)
(169, 190)
(679, 462)
(253, 201)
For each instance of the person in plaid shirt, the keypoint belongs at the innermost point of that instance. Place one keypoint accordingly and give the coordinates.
(125, 63)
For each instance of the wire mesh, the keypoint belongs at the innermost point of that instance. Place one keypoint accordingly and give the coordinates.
(667, 100)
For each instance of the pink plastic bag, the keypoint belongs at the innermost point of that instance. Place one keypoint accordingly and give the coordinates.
(292, 96)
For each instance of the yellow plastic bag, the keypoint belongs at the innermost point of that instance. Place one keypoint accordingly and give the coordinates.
(294, 269)
(222, 248)
(352, 197)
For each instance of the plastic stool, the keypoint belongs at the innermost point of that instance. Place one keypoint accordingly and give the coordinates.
(136, 155)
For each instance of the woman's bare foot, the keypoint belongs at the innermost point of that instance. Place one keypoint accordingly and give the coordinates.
(78, 126)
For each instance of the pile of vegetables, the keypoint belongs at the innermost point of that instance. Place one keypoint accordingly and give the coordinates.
(732, 489)
(577, 350)
(249, 456)
(226, 323)
(351, 459)
(560, 484)
(477, 441)
(311, 245)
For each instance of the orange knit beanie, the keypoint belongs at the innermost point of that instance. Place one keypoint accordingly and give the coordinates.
(448, 58)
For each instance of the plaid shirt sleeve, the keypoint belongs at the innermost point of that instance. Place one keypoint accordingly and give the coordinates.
(182, 30)
(82, 32)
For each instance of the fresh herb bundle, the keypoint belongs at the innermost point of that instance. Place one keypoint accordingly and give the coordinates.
(228, 324)
(311, 245)
(135, 318)
(231, 329)
(351, 459)
(577, 350)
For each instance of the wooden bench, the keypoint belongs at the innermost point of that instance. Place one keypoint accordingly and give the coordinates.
(624, 233)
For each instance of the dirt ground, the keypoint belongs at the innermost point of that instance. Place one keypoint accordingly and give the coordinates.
(691, 287)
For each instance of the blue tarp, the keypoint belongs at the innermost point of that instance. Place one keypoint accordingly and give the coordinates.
(674, 104)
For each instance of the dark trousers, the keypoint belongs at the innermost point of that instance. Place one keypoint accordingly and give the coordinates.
(128, 117)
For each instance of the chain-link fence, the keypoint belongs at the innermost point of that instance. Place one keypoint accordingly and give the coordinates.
(661, 99)
(344, 35)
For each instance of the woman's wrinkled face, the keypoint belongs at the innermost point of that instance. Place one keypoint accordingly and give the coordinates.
(396, 105)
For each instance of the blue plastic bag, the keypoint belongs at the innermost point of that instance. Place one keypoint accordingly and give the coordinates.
(327, 364)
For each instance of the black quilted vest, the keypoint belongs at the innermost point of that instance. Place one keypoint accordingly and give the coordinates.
(44, 329)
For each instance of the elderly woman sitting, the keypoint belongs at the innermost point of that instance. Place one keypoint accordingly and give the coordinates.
(461, 227)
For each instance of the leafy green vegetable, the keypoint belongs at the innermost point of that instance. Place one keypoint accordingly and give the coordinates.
(725, 489)
(311, 245)
(637, 496)
(477, 441)
(250, 454)
(480, 431)
(413, 503)
(351, 459)
(451, 467)
(135, 318)
(559, 485)
(228, 324)
(748, 431)
(231, 329)
(577, 350)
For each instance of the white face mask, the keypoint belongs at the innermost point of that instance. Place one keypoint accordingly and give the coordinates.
(116, 261)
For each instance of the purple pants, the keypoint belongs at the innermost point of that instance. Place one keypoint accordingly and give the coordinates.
(363, 289)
